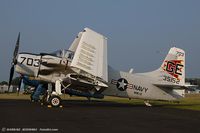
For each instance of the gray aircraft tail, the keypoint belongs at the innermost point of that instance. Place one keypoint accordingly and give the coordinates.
(172, 70)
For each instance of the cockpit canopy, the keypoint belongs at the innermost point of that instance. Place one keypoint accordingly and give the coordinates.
(63, 53)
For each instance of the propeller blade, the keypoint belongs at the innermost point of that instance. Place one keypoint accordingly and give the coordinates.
(19, 85)
(14, 61)
(11, 76)
(16, 48)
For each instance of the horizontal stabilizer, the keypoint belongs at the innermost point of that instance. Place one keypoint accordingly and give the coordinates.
(179, 87)
(170, 86)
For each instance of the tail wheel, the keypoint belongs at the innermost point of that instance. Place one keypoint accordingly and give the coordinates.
(55, 101)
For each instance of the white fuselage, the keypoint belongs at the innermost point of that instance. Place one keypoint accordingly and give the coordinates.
(136, 86)
(46, 67)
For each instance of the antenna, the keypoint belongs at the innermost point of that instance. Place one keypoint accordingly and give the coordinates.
(173, 43)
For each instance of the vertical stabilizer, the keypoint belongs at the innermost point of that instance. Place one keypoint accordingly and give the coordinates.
(172, 70)
(174, 66)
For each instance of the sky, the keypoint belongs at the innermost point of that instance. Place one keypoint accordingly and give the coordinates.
(140, 32)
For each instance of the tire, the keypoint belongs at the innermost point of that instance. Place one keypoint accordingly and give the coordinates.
(55, 101)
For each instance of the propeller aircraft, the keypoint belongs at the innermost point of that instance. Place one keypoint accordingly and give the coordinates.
(83, 70)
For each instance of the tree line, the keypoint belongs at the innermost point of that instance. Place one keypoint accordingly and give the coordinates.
(15, 81)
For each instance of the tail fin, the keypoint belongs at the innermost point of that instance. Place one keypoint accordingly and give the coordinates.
(172, 70)
(173, 66)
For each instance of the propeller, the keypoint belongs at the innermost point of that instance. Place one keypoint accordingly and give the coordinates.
(19, 85)
(14, 61)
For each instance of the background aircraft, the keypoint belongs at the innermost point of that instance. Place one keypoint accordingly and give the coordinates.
(83, 70)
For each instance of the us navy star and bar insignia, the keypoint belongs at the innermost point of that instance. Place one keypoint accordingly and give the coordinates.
(122, 84)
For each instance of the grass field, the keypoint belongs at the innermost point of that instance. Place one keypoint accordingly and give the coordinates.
(191, 101)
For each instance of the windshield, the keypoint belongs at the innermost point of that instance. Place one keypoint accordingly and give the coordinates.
(57, 53)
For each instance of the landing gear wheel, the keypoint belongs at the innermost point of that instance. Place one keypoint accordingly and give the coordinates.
(55, 101)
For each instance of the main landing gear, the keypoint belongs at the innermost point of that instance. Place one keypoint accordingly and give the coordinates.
(55, 101)
(52, 98)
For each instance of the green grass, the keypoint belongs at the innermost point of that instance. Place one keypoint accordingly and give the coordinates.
(14, 96)
(191, 101)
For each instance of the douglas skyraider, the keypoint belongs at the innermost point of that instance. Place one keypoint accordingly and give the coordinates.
(82, 70)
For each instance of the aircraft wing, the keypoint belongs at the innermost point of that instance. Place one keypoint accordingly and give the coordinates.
(90, 56)
(75, 43)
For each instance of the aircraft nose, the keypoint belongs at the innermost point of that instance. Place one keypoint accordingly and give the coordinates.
(18, 59)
